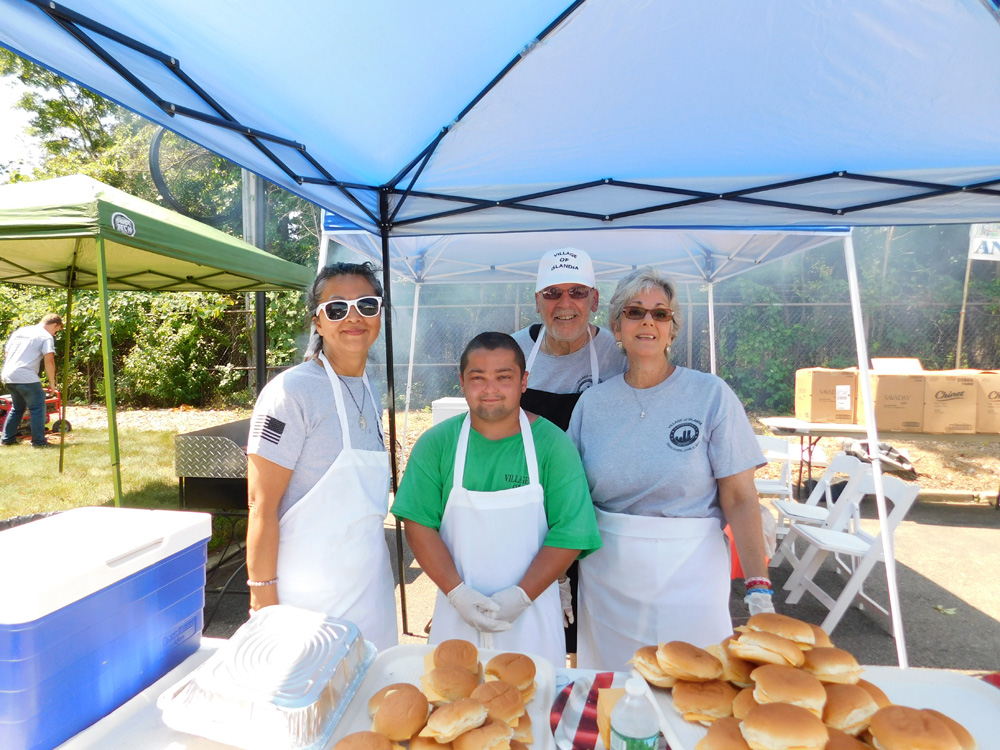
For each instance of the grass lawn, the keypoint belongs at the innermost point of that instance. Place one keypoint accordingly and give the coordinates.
(31, 482)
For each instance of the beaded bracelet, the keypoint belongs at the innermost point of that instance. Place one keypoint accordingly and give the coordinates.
(758, 580)
(258, 584)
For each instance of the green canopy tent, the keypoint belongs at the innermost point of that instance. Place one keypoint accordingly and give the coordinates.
(77, 233)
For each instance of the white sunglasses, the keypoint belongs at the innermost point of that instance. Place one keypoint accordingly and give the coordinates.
(337, 309)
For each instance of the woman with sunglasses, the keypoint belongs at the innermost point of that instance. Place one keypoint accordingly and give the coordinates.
(318, 471)
(670, 456)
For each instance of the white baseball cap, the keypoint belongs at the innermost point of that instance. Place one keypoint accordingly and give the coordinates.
(565, 266)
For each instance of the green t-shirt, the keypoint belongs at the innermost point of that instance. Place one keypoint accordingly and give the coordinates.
(494, 465)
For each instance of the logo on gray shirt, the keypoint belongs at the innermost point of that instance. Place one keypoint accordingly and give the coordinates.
(684, 434)
(268, 428)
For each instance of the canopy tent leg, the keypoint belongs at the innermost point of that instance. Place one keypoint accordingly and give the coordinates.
(961, 316)
(869, 406)
(64, 393)
(390, 387)
(109, 374)
(711, 327)
(409, 364)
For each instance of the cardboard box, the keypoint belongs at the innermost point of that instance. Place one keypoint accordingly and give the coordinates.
(825, 395)
(897, 365)
(988, 401)
(898, 400)
(949, 402)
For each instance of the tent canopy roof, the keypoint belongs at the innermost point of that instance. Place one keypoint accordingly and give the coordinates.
(44, 224)
(527, 115)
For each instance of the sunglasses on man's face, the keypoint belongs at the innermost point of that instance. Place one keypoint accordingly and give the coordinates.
(659, 314)
(337, 309)
(576, 292)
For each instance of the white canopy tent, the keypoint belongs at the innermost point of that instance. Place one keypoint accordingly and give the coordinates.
(527, 116)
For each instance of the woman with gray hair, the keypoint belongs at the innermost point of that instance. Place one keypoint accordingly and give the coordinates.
(670, 457)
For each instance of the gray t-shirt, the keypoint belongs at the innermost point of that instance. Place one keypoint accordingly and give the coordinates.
(695, 432)
(295, 424)
(23, 354)
(570, 373)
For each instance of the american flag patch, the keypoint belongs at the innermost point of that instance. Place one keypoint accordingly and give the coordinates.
(267, 428)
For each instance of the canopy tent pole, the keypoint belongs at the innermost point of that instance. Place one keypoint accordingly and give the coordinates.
(64, 394)
(409, 366)
(711, 327)
(253, 234)
(390, 387)
(873, 452)
(109, 375)
(961, 316)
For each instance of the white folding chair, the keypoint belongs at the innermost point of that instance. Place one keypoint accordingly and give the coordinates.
(776, 450)
(840, 514)
(863, 549)
(810, 511)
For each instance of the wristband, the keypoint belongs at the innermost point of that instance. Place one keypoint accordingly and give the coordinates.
(259, 584)
(769, 592)
(757, 580)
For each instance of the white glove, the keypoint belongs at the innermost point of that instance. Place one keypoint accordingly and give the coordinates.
(512, 601)
(759, 602)
(566, 600)
(477, 610)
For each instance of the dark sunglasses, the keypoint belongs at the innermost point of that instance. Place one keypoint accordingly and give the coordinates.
(337, 309)
(576, 292)
(660, 314)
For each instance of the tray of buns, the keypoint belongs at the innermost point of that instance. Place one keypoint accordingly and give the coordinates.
(389, 699)
(756, 689)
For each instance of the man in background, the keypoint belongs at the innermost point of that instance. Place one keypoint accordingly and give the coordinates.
(25, 350)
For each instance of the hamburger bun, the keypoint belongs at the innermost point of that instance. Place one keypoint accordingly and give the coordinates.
(703, 702)
(606, 700)
(904, 728)
(782, 726)
(760, 647)
(455, 652)
(843, 741)
(822, 637)
(832, 665)
(797, 631)
(401, 714)
(965, 739)
(774, 683)
(735, 669)
(517, 745)
(743, 703)
(376, 700)
(517, 669)
(364, 741)
(687, 662)
(427, 743)
(880, 698)
(522, 732)
(648, 667)
(502, 700)
(848, 708)
(723, 734)
(493, 735)
(452, 719)
(446, 684)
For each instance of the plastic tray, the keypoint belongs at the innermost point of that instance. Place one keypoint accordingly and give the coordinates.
(283, 680)
(973, 703)
(405, 663)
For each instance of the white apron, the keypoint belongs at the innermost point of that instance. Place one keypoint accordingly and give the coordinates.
(493, 537)
(594, 369)
(653, 580)
(332, 555)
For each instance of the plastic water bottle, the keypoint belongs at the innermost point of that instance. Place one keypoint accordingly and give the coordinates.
(634, 725)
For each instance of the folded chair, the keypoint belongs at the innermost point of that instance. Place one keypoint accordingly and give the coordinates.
(817, 506)
(862, 549)
(776, 450)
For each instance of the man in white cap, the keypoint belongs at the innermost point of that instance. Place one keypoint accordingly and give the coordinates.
(566, 355)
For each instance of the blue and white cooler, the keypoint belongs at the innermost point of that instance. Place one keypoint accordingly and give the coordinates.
(96, 604)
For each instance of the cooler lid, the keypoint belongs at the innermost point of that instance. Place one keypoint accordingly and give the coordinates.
(65, 557)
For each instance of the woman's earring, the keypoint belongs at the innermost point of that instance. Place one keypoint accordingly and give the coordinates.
(619, 345)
